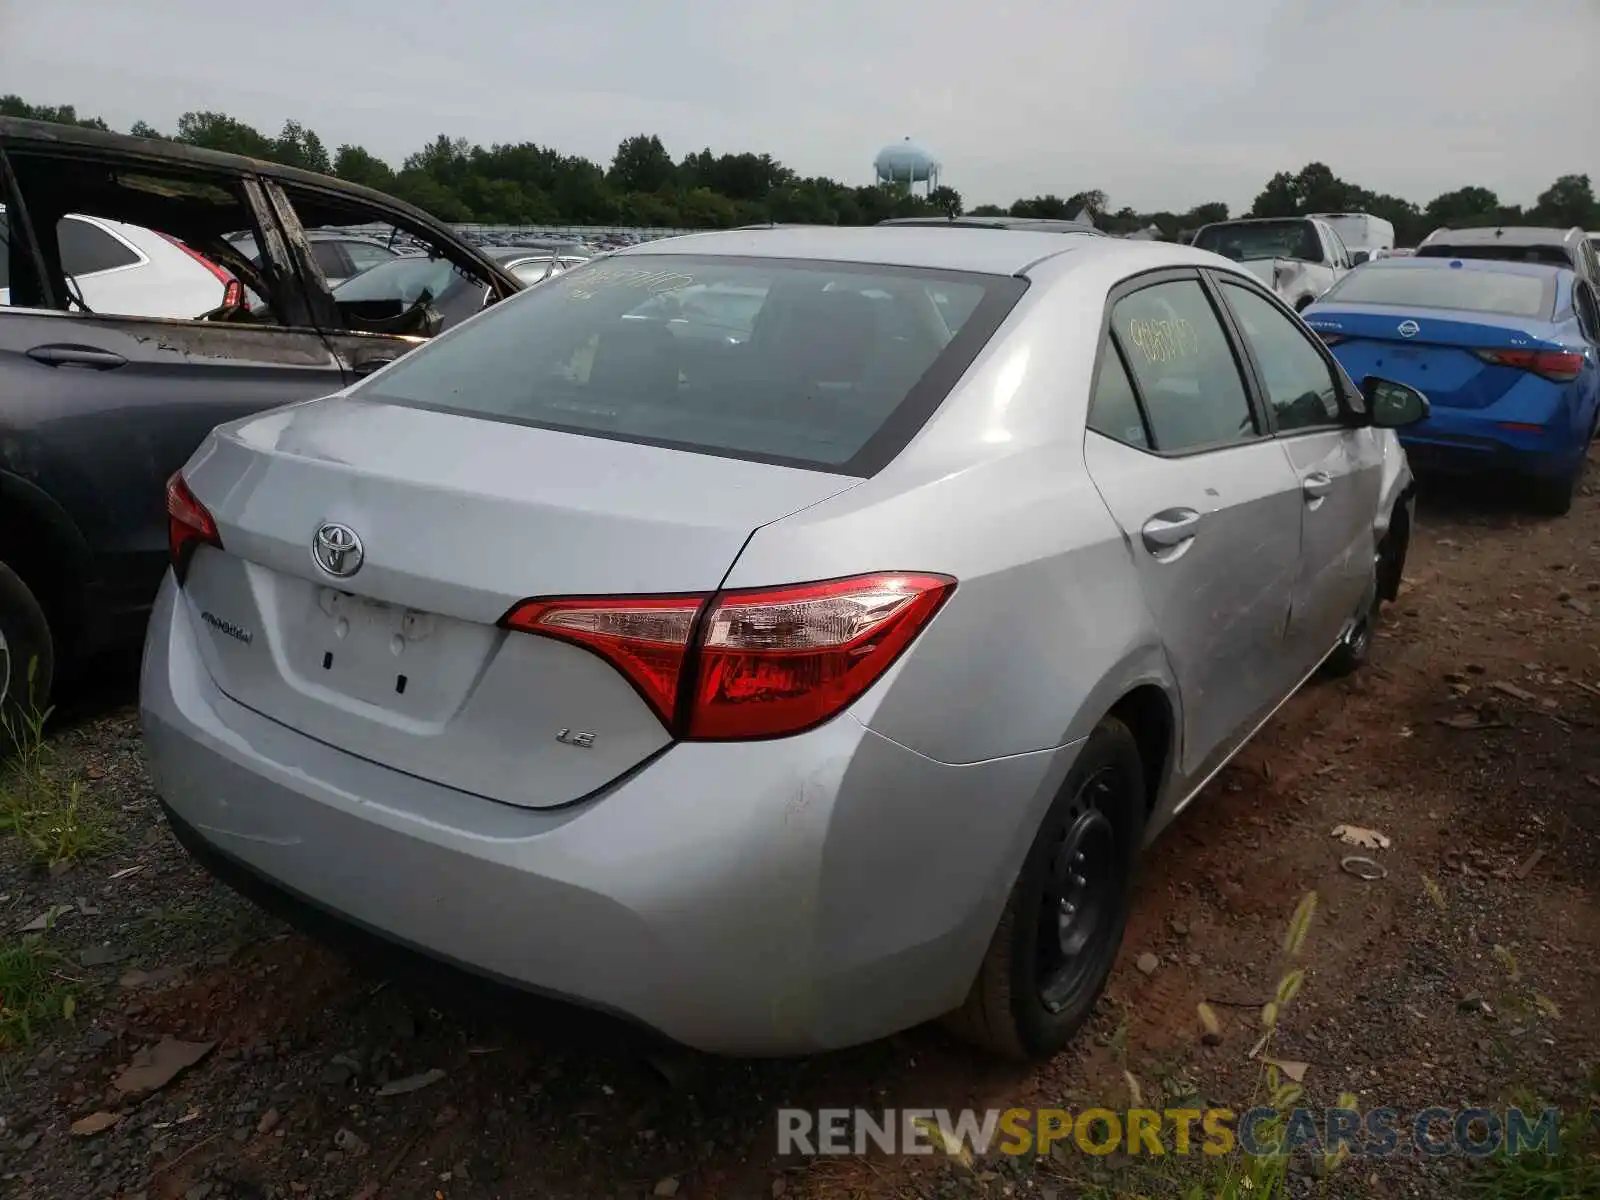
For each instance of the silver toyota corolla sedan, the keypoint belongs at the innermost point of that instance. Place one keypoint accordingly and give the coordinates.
(786, 686)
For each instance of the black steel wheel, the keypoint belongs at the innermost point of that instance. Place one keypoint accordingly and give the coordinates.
(1058, 937)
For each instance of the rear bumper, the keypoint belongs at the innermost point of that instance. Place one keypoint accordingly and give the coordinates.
(1457, 442)
(775, 897)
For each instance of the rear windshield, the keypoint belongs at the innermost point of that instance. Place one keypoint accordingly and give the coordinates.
(1460, 288)
(1553, 256)
(1262, 239)
(828, 366)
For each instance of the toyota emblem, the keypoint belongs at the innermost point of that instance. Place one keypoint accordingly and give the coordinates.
(1409, 329)
(337, 550)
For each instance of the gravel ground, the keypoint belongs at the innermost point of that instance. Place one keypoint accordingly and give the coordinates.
(273, 1067)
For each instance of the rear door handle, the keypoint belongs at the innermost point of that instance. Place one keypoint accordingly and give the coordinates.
(1169, 529)
(1315, 486)
(77, 356)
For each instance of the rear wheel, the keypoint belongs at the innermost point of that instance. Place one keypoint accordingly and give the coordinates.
(1554, 497)
(1063, 923)
(27, 657)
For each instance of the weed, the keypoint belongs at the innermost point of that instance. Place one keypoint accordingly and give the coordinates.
(36, 804)
(1573, 1171)
(30, 991)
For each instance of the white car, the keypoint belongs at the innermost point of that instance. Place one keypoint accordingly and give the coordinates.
(127, 270)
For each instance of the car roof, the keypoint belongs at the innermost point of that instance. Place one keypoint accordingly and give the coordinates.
(45, 136)
(1504, 235)
(986, 251)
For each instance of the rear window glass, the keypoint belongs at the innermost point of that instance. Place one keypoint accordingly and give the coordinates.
(1553, 256)
(828, 366)
(1249, 240)
(1461, 288)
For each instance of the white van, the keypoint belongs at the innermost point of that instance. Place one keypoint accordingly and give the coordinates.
(1361, 232)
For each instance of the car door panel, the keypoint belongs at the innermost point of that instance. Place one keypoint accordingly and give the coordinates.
(1215, 539)
(1339, 468)
(102, 410)
(1338, 547)
(1208, 505)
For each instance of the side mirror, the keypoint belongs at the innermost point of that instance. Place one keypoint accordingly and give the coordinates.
(1357, 257)
(1393, 405)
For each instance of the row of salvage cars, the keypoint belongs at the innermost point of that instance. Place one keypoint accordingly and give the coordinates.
(775, 637)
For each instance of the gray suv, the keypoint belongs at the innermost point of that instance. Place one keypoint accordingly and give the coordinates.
(98, 408)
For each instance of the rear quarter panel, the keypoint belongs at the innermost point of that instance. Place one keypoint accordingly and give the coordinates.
(1047, 627)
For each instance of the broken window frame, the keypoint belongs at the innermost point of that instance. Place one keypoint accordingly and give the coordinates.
(19, 228)
(282, 193)
(287, 310)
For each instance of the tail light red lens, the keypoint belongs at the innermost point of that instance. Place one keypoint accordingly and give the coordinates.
(1558, 366)
(644, 637)
(232, 293)
(751, 663)
(189, 525)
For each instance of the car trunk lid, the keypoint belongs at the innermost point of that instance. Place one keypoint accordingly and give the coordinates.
(404, 661)
(1437, 351)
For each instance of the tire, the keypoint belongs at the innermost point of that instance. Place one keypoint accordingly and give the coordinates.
(1304, 303)
(1101, 808)
(1553, 497)
(24, 640)
(1355, 648)
(1393, 552)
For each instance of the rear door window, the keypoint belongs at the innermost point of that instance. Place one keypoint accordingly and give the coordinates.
(822, 365)
(86, 248)
(1114, 410)
(1184, 367)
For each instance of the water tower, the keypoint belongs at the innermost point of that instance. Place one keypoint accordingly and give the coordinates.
(907, 164)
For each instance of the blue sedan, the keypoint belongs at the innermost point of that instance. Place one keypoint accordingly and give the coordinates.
(1505, 351)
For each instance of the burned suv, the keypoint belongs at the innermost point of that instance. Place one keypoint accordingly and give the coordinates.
(98, 406)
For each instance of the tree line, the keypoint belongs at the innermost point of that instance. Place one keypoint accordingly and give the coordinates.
(528, 184)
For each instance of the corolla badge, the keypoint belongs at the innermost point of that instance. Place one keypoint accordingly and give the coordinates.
(337, 550)
(1409, 329)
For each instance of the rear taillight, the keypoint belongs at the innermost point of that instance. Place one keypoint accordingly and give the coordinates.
(751, 663)
(644, 637)
(1559, 366)
(232, 292)
(189, 525)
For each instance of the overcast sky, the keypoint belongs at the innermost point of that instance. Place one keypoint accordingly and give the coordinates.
(1162, 104)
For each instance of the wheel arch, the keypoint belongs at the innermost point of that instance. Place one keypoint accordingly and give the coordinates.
(40, 542)
(1151, 717)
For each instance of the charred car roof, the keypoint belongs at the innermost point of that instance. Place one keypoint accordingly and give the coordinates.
(331, 201)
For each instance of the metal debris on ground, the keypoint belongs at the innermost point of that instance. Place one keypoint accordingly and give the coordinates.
(1362, 867)
(1356, 835)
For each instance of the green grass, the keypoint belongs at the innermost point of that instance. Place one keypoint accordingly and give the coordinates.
(1573, 1173)
(37, 803)
(31, 991)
